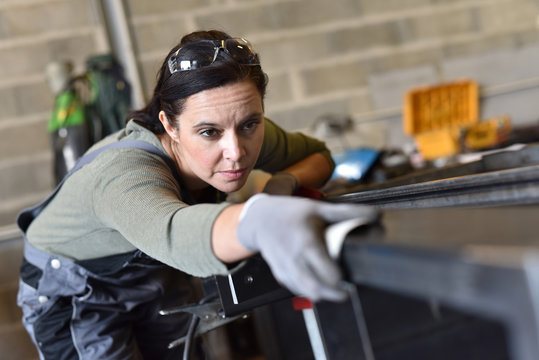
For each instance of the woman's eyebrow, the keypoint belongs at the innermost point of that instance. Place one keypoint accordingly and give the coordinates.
(255, 115)
(252, 116)
(205, 123)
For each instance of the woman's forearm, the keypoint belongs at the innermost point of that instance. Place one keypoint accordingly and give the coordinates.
(312, 171)
(225, 242)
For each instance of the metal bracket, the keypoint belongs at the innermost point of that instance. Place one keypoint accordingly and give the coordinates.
(210, 314)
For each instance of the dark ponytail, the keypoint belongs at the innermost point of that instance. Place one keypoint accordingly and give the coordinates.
(171, 91)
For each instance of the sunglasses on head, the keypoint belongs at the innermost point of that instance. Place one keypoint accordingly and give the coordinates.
(240, 50)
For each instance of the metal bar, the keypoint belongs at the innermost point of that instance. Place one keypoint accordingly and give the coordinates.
(512, 186)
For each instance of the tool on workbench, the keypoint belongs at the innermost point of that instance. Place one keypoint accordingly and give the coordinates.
(487, 134)
(353, 159)
(436, 115)
(444, 120)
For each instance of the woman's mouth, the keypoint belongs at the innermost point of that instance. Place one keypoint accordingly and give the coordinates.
(233, 174)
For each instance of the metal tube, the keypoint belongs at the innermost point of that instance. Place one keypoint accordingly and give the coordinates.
(117, 28)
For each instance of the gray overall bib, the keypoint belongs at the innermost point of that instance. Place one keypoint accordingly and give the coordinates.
(105, 308)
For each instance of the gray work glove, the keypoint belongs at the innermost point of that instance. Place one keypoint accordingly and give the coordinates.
(281, 183)
(289, 234)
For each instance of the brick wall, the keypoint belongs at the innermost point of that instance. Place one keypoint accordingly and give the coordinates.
(32, 34)
(352, 57)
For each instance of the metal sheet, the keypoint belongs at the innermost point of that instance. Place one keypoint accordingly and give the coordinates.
(481, 261)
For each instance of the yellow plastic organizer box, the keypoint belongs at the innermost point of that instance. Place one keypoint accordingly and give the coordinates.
(435, 115)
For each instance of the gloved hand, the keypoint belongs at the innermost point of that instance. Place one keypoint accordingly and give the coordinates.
(289, 234)
(281, 183)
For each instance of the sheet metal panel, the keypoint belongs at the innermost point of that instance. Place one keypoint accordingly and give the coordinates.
(479, 261)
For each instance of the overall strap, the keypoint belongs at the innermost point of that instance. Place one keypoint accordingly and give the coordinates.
(26, 216)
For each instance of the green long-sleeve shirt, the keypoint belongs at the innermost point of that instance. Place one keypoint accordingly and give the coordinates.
(128, 199)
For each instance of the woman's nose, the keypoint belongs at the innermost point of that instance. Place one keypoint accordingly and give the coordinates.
(233, 148)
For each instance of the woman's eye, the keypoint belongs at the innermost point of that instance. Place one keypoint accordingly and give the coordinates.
(251, 125)
(209, 133)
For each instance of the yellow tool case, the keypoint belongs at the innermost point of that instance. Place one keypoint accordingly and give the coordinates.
(436, 116)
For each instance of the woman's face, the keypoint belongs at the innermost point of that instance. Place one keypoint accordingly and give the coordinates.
(219, 136)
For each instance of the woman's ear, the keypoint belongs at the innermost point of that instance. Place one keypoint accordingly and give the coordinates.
(171, 131)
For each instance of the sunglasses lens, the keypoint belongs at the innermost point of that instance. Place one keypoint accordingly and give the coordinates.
(241, 51)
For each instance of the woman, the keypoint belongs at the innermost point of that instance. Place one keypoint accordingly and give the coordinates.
(100, 253)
